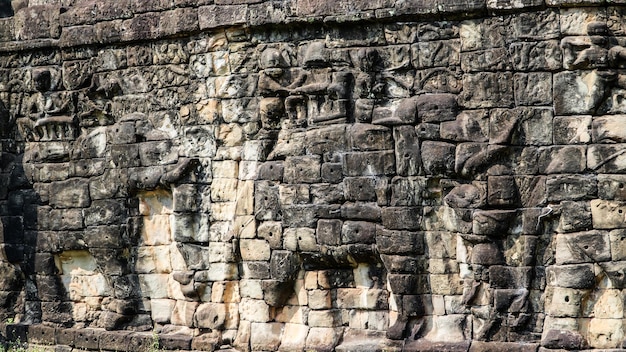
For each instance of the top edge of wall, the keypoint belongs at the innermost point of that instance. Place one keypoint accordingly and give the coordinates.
(71, 23)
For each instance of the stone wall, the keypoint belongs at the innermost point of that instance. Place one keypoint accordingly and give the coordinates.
(301, 175)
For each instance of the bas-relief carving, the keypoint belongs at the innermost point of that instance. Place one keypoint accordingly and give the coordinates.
(376, 172)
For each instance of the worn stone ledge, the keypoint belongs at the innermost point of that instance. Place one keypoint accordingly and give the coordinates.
(95, 23)
(355, 341)
(99, 339)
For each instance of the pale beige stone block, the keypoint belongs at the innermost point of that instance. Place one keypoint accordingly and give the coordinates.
(272, 232)
(161, 310)
(248, 170)
(323, 338)
(80, 311)
(319, 299)
(608, 214)
(221, 252)
(251, 289)
(302, 237)
(358, 319)
(605, 304)
(232, 316)
(177, 259)
(254, 310)
(242, 340)
(361, 298)
(225, 169)
(378, 320)
(254, 250)
(325, 318)
(245, 198)
(253, 150)
(183, 313)
(223, 211)
(439, 307)
(446, 284)
(291, 314)
(605, 333)
(448, 328)
(224, 189)
(266, 336)
(244, 226)
(159, 202)
(153, 259)
(156, 230)
(225, 291)
(154, 285)
(294, 337)
(310, 280)
(564, 302)
(175, 289)
(230, 135)
(222, 271)
(294, 194)
(219, 231)
(362, 277)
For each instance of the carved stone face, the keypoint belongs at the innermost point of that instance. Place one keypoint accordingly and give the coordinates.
(271, 58)
(42, 80)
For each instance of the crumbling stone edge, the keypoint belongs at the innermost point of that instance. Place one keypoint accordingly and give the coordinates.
(90, 339)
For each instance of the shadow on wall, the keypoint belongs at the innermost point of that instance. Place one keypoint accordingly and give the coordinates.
(6, 9)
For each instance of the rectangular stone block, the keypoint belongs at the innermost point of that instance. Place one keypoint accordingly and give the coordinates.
(361, 298)
(469, 126)
(328, 193)
(358, 232)
(407, 151)
(399, 242)
(572, 187)
(580, 276)
(533, 88)
(436, 53)
(294, 194)
(575, 216)
(212, 16)
(572, 129)
(509, 277)
(402, 218)
(366, 137)
(360, 188)
(438, 158)
(361, 211)
(267, 201)
(369, 163)
(563, 159)
(582, 247)
(329, 232)
(608, 214)
(490, 90)
(302, 169)
(607, 158)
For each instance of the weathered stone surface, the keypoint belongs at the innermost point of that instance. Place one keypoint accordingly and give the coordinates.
(289, 176)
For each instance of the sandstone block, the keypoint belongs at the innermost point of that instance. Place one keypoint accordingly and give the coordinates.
(580, 276)
(254, 249)
(607, 158)
(582, 247)
(305, 169)
(369, 163)
(438, 158)
(608, 214)
(572, 129)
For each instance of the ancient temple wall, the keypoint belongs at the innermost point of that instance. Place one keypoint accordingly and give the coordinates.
(303, 175)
